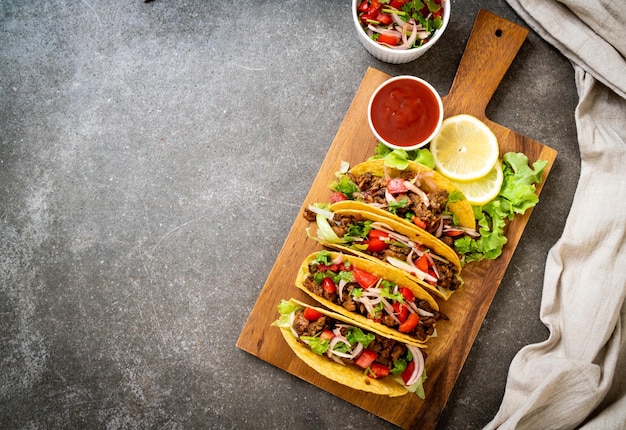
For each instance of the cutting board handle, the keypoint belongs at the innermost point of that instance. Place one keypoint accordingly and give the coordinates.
(490, 50)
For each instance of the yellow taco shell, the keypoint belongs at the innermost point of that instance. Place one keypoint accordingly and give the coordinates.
(346, 375)
(378, 269)
(349, 208)
(462, 209)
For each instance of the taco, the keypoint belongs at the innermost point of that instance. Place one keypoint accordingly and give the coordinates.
(350, 353)
(370, 293)
(417, 196)
(424, 259)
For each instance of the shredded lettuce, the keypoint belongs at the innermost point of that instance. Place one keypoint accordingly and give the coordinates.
(285, 308)
(317, 344)
(516, 196)
(325, 232)
(399, 158)
(323, 257)
(344, 185)
(355, 334)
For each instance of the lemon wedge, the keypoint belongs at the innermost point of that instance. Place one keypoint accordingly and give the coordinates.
(465, 149)
(481, 191)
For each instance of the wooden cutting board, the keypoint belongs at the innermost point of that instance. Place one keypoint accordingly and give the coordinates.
(492, 46)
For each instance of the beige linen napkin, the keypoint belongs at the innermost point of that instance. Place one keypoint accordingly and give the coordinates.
(577, 377)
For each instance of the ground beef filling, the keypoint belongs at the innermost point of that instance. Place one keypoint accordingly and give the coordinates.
(372, 189)
(424, 328)
(447, 277)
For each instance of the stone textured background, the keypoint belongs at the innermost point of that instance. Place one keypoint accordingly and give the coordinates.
(152, 159)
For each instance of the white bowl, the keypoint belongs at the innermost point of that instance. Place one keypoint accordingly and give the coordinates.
(394, 56)
(416, 133)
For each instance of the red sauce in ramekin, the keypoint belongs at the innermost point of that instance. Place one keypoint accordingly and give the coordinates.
(405, 112)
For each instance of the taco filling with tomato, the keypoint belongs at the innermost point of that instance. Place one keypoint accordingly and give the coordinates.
(417, 195)
(361, 288)
(436, 268)
(350, 354)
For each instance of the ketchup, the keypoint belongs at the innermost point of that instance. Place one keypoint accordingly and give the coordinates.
(405, 112)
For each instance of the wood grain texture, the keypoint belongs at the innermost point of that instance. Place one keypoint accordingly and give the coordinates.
(492, 46)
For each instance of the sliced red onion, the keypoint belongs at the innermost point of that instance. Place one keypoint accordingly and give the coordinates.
(389, 310)
(409, 42)
(412, 187)
(357, 350)
(334, 341)
(396, 19)
(402, 47)
(424, 313)
(439, 231)
(399, 237)
(418, 358)
(389, 197)
(468, 231)
(423, 35)
(338, 259)
(439, 258)
(381, 30)
(342, 283)
(429, 182)
(411, 269)
(368, 305)
(412, 307)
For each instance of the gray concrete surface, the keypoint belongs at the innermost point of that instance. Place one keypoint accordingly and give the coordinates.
(152, 159)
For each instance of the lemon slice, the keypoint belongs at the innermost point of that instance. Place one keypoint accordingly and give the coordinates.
(465, 149)
(481, 191)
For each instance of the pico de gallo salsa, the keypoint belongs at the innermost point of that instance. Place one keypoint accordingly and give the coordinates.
(401, 24)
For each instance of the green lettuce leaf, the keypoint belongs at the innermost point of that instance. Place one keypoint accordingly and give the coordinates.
(518, 194)
(285, 308)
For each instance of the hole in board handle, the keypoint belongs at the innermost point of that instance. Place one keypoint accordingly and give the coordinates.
(498, 33)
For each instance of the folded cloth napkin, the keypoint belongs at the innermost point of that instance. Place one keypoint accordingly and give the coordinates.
(577, 377)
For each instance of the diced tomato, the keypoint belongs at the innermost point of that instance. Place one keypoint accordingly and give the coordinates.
(407, 294)
(324, 268)
(364, 279)
(384, 19)
(369, 15)
(397, 3)
(363, 6)
(406, 374)
(396, 185)
(337, 196)
(343, 268)
(311, 314)
(375, 4)
(378, 234)
(328, 285)
(389, 39)
(327, 334)
(366, 358)
(422, 263)
(401, 311)
(418, 222)
(409, 324)
(378, 371)
(376, 241)
(375, 245)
